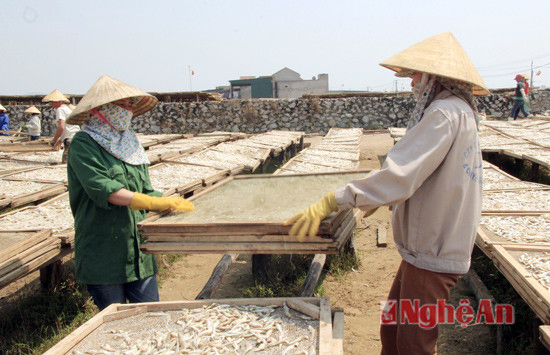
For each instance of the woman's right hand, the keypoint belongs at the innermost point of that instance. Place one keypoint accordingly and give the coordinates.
(145, 202)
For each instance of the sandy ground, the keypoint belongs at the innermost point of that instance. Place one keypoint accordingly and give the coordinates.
(359, 292)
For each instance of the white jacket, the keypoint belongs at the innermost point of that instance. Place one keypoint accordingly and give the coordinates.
(433, 176)
(34, 126)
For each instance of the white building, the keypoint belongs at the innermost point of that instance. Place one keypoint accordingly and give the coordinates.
(288, 84)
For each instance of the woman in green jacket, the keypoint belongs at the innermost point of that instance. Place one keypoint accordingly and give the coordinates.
(110, 192)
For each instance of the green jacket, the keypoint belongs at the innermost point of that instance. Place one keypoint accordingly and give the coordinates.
(106, 237)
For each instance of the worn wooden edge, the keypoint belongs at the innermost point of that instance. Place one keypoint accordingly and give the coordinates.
(243, 248)
(325, 327)
(305, 308)
(544, 335)
(124, 314)
(338, 333)
(71, 340)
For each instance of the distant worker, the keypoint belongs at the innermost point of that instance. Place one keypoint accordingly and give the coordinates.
(65, 132)
(520, 97)
(110, 192)
(527, 103)
(4, 122)
(34, 125)
(432, 177)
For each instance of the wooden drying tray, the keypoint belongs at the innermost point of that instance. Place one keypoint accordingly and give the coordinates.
(235, 171)
(330, 333)
(250, 168)
(34, 252)
(49, 190)
(261, 158)
(207, 180)
(246, 237)
(27, 147)
(183, 188)
(251, 244)
(487, 239)
(531, 290)
(546, 164)
(11, 176)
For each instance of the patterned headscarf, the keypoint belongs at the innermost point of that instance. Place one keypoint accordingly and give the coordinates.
(458, 88)
(110, 126)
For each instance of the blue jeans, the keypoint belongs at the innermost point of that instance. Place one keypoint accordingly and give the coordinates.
(519, 105)
(145, 290)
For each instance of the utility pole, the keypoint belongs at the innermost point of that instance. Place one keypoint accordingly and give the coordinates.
(190, 84)
(531, 85)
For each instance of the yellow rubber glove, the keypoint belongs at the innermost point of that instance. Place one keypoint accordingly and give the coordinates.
(152, 203)
(308, 221)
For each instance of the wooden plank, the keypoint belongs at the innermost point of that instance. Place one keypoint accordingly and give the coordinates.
(305, 308)
(325, 327)
(18, 247)
(381, 239)
(224, 248)
(71, 340)
(177, 305)
(259, 176)
(338, 333)
(216, 278)
(544, 335)
(124, 314)
(206, 238)
(313, 275)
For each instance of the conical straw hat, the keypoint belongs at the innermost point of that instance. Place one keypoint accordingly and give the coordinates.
(105, 90)
(32, 109)
(55, 95)
(2, 108)
(439, 55)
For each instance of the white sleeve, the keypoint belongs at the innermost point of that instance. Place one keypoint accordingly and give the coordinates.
(408, 164)
(62, 114)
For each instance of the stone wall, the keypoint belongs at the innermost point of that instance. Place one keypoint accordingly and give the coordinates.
(260, 115)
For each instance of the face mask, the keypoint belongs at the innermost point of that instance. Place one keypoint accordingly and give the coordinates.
(418, 88)
(119, 118)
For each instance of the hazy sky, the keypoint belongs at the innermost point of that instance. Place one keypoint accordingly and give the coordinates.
(151, 44)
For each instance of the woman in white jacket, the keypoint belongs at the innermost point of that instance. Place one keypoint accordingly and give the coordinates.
(432, 177)
(34, 125)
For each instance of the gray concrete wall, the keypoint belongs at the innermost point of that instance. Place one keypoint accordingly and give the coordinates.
(260, 115)
(296, 88)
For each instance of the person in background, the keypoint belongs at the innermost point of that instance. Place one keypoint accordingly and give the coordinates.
(433, 179)
(34, 125)
(65, 132)
(519, 99)
(4, 122)
(110, 193)
(527, 103)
